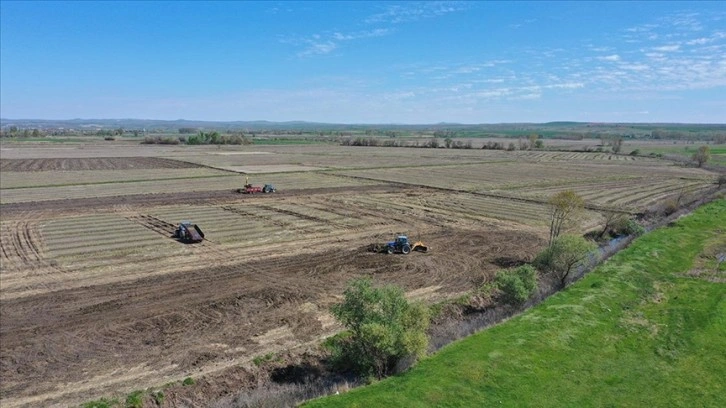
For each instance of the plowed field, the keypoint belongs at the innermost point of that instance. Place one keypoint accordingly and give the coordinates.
(96, 303)
(106, 163)
(98, 299)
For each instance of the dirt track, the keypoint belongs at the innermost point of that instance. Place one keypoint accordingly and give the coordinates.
(194, 197)
(72, 345)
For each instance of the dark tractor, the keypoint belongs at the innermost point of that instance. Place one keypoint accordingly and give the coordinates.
(188, 232)
(402, 246)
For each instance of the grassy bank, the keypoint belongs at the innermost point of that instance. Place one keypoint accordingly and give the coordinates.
(647, 328)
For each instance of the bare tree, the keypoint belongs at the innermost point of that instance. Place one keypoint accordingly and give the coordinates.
(702, 156)
(617, 144)
(612, 217)
(564, 205)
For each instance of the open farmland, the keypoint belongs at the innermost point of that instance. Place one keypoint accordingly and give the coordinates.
(98, 298)
(604, 184)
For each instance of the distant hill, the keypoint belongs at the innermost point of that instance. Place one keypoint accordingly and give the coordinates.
(260, 125)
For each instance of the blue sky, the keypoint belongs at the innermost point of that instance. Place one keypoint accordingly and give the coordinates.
(365, 62)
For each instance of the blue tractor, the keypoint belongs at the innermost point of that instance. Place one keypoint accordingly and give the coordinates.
(401, 245)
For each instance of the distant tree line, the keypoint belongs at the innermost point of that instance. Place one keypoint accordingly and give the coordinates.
(432, 143)
(202, 138)
(13, 131)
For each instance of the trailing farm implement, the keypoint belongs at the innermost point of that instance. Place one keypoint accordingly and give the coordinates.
(400, 245)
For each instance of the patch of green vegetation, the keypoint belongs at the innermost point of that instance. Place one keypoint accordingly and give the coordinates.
(276, 142)
(517, 285)
(101, 403)
(259, 360)
(158, 397)
(54, 139)
(188, 381)
(637, 331)
(718, 152)
(135, 400)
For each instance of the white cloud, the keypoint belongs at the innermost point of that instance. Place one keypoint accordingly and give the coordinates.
(526, 97)
(321, 44)
(414, 11)
(318, 48)
(635, 67)
(466, 70)
(642, 28)
(614, 57)
(699, 41)
(668, 48)
(379, 32)
(567, 85)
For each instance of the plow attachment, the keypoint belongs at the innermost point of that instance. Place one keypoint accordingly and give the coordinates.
(419, 246)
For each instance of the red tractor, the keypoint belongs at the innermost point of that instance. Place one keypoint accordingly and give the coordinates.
(250, 189)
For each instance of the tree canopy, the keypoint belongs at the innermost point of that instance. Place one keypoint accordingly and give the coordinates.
(564, 205)
(566, 253)
(702, 155)
(384, 328)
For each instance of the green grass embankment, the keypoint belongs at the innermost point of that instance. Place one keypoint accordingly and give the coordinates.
(639, 331)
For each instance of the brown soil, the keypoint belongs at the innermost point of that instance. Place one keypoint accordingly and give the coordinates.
(106, 163)
(81, 343)
(192, 198)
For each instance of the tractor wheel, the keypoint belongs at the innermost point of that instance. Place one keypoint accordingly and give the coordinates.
(406, 249)
(389, 250)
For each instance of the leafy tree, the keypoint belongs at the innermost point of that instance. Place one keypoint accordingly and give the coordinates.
(538, 144)
(702, 155)
(448, 142)
(566, 253)
(517, 285)
(628, 226)
(384, 328)
(564, 206)
(532, 141)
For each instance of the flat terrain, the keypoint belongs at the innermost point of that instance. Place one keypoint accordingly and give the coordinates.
(647, 328)
(98, 298)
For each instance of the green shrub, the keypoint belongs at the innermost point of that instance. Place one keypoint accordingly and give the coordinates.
(101, 403)
(517, 285)
(133, 400)
(384, 329)
(188, 381)
(259, 360)
(158, 397)
(635, 152)
(670, 207)
(627, 226)
(633, 228)
(564, 255)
